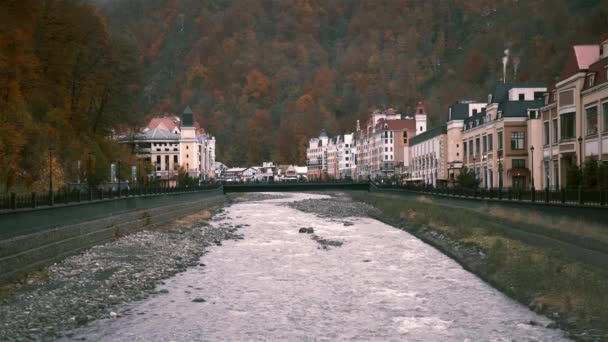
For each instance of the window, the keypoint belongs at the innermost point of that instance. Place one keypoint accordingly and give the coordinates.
(605, 117)
(522, 97)
(166, 163)
(485, 144)
(546, 133)
(499, 141)
(175, 164)
(386, 149)
(519, 163)
(405, 137)
(591, 80)
(517, 141)
(477, 146)
(385, 157)
(157, 163)
(554, 131)
(591, 120)
(490, 142)
(386, 134)
(420, 128)
(567, 126)
(464, 148)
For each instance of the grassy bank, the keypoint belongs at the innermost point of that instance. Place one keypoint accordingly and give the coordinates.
(572, 293)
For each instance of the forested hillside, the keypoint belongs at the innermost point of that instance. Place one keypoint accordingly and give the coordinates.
(263, 76)
(266, 75)
(65, 83)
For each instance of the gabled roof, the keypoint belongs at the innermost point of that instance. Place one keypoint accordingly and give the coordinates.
(580, 58)
(159, 133)
(165, 122)
(396, 125)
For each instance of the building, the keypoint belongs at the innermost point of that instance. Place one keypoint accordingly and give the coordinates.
(496, 141)
(382, 146)
(172, 144)
(316, 157)
(428, 152)
(572, 129)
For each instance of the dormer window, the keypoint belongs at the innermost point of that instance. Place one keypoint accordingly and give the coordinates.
(591, 80)
(500, 114)
(490, 98)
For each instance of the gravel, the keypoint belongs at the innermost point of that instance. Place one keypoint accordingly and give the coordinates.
(339, 206)
(94, 284)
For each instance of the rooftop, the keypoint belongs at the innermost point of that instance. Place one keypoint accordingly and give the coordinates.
(434, 132)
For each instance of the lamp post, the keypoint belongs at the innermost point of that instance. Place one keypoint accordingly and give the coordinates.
(89, 171)
(51, 195)
(580, 149)
(118, 176)
(532, 173)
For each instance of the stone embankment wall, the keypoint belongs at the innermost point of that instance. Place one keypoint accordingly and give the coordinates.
(26, 252)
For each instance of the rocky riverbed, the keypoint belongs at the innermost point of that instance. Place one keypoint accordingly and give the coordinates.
(96, 283)
(339, 206)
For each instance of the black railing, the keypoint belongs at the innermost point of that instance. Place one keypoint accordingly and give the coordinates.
(581, 196)
(15, 201)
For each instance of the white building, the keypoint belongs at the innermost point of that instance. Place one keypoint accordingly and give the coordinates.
(428, 152)
(316, 157)
(171, 144)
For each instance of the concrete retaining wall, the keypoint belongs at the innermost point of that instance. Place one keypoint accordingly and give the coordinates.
(25, 253)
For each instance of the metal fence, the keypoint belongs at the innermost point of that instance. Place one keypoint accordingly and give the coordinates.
(579, 196)
(14, 201)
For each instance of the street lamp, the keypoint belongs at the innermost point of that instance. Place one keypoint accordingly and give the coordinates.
(51, 195)
(580, 147)
(532, 175)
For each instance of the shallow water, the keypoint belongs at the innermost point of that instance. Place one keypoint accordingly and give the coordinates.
(382, 284)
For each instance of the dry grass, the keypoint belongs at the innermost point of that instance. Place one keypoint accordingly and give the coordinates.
(424, 199)
(541, 277)
(202, 215)
(563, 224)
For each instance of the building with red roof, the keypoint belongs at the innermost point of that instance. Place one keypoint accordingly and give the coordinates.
(170, 144)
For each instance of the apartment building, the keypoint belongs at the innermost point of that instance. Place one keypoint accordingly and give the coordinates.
(574, 114)
(316, 157)
(428, 151)
(496, 141)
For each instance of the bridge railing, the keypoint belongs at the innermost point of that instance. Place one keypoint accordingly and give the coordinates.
(14, 201)
(581, 196)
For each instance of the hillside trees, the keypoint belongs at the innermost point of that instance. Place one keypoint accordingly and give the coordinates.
(65, 83)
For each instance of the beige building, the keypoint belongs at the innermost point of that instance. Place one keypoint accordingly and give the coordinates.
(574, 115)
(457, 113)
(170, 143)
(496, 141)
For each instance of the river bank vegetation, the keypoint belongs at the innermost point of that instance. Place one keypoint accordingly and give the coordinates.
(545, 278)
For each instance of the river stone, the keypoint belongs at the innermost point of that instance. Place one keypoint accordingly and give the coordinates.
(198, 300)
(303, 230)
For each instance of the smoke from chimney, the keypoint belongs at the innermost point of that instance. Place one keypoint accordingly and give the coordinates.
(505, 61)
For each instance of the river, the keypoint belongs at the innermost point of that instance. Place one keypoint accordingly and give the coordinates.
(381, 284)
